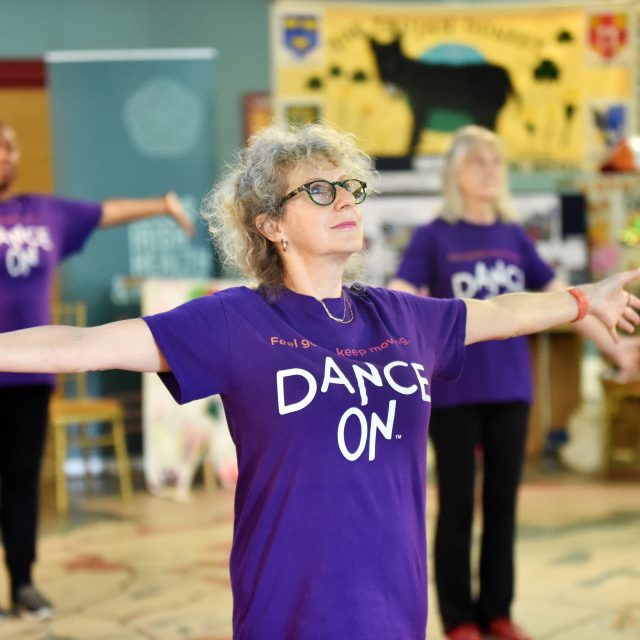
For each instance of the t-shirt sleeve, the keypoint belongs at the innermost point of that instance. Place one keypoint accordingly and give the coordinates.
(77, 220)
(445, 323)
(415, 264)
(194, 339)
(538, 273)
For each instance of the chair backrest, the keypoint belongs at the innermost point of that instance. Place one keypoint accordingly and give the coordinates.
(70, 385)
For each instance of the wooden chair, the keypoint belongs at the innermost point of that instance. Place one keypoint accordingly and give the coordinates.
(72, 406)
(621, 436)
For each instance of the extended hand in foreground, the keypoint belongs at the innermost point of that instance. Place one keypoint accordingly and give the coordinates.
(612, 304)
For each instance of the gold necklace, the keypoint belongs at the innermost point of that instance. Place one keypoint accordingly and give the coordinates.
(347, 307)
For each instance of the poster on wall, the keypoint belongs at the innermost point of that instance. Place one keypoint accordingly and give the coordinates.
(133, 123)
(555, 82)
(613, 216)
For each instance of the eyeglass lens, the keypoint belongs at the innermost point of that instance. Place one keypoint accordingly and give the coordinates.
(323, 192)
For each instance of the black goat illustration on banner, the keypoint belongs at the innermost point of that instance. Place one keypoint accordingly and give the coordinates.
(478, 89)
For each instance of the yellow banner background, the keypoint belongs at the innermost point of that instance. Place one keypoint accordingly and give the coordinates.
(551, 123)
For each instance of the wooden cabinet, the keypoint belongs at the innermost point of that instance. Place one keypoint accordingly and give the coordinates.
(556, 358)
(621, 429)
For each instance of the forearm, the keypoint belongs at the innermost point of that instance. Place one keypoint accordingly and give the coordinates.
(127, 344)
(122, 211)
(49, 349)
(516, 314)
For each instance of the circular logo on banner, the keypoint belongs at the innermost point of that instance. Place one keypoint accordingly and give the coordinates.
(162, 118)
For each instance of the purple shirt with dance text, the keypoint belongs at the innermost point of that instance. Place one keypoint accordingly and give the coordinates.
(330, 425)
(464, 260)
(36, 234)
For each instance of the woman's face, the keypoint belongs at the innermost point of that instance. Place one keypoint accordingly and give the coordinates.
(9, 156)
(314, 230)
(480, 174)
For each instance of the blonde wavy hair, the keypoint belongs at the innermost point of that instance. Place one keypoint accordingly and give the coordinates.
(466, 140)
(256, 184)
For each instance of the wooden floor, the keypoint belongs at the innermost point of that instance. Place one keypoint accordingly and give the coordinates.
(158, 570)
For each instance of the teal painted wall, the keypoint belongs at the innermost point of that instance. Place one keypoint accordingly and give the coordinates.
(238, 29)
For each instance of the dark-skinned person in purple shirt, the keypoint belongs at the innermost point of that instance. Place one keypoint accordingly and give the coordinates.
(473, 250)
(326, 388)
(37, 232)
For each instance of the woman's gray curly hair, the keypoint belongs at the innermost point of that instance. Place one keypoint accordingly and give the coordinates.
(256, 184)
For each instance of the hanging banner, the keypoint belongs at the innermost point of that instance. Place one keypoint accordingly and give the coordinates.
(555, 83)
(133, 124)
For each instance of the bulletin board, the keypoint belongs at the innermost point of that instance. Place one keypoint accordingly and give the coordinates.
(133, 124)
(551, 80)
(613, 216)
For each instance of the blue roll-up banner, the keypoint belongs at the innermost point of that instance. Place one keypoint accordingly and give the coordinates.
(133, 123)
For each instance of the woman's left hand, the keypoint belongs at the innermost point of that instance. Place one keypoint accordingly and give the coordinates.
(177, 212)
(612, 304)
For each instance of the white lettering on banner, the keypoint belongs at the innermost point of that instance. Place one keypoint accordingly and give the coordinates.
(509, 277)
(23, 247)
(334, 375)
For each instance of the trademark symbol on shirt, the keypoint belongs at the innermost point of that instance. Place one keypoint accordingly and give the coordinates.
(398, 436)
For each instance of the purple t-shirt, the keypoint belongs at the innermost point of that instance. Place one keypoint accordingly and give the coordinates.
(464, 260)
(36, 233)
(330, 424)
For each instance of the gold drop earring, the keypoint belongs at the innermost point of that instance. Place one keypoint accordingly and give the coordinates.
(285, 244)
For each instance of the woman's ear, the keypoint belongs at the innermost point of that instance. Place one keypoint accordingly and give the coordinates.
(268, 226)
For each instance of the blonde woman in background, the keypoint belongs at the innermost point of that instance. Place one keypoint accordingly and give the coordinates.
(475, 251)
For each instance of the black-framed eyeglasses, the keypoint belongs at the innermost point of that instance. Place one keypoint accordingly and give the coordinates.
(323, 192)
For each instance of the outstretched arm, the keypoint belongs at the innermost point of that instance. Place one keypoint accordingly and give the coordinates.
(126, 344)
(123, 211)
(624, 353)
(516, 314)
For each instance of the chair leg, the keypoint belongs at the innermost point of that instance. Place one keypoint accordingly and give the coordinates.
(60, 455)
(122, 460)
